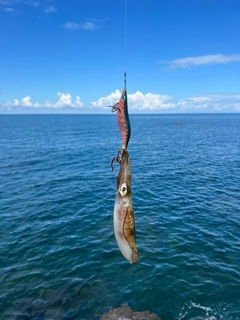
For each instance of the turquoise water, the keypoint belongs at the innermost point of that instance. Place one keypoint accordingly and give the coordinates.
(58, 255)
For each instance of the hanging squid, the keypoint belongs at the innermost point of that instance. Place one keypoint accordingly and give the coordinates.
(124, 226)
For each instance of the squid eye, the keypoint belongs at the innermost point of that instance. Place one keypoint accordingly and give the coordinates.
(124, 97)
(123, 189)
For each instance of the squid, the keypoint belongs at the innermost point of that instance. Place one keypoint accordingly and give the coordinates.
(123, 218)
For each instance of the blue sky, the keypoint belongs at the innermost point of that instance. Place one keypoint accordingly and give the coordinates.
(59, 56)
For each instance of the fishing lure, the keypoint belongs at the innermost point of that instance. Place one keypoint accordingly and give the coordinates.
(123, 121)
(124, 226)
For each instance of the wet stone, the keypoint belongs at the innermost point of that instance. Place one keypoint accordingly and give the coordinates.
(126, 313)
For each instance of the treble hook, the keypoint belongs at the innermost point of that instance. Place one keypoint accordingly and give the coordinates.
(114, 107)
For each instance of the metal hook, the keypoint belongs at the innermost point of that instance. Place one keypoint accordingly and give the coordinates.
(114, 107)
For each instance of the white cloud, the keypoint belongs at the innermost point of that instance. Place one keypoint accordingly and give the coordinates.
(107, 101)
(71, 25)
(138, 101)
(16, 102)
(195, 103)
(25, 102)
(222, 103)
(90, 26)
(11, 10)
(50, 9)
(5, 3)
(202, 61)
(78, 103)
(64, 101)
(33, 3)
(13, 3)
(149, 101)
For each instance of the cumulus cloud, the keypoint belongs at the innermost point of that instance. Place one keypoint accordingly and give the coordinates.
(150, 101)
(108, 100)
(64, 101)
(202, 61)
(50, 9)
(210, 103)
(138, 101)
(90, 26)
(25, 102)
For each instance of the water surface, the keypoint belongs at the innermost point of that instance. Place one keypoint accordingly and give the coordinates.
(58, 255)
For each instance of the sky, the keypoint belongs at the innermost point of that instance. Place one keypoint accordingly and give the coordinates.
(69, 56)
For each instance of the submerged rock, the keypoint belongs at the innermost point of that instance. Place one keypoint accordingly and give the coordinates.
(126, 313)
(177, 123)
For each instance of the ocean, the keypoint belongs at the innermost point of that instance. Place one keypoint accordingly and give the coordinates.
(58, 255)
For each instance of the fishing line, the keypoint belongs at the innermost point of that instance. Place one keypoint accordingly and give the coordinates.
(125, 46)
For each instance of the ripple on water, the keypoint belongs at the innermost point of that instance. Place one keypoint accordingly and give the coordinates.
(59, 256)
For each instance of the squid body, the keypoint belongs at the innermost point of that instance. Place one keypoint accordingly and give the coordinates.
(124, 227)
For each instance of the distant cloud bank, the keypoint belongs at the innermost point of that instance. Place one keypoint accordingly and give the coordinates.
(64, 101)
(137, 102)
(202, 61)
(151, 102)
(210, 103)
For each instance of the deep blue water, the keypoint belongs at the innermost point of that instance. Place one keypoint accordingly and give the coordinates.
(58, 255)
